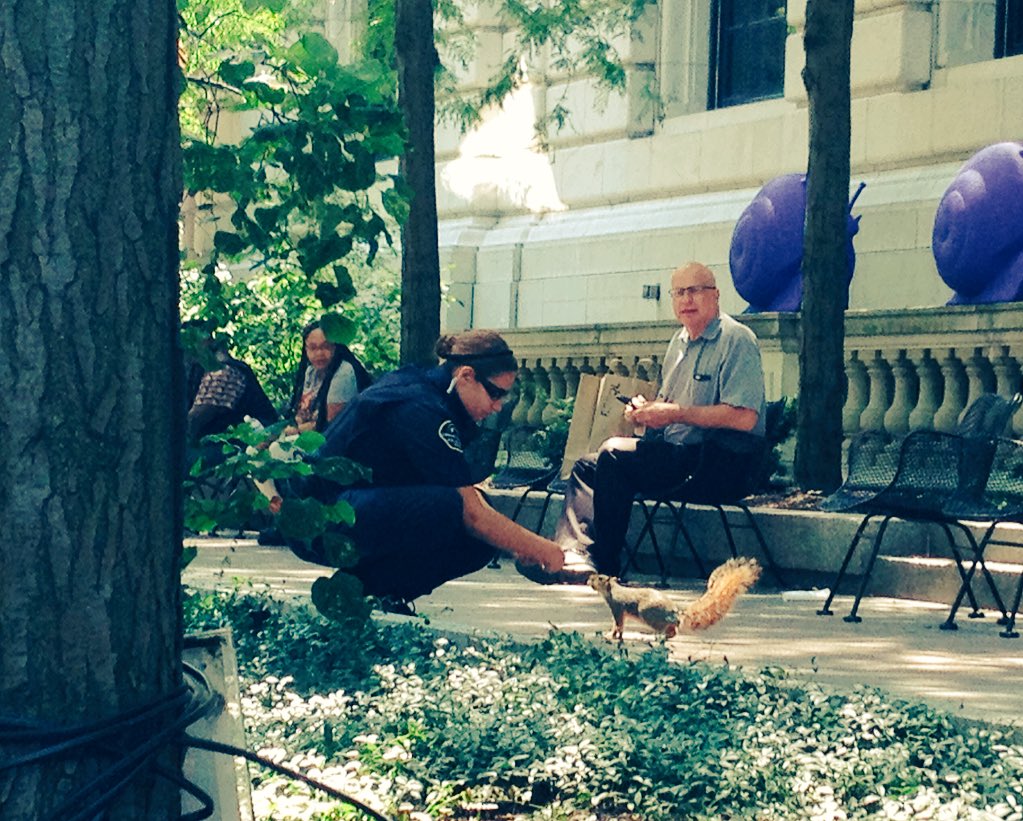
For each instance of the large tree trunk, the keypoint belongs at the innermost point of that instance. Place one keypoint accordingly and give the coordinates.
(90, 422)
(818, 462)
(420, 259)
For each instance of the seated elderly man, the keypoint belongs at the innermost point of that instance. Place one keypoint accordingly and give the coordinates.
(707, 419)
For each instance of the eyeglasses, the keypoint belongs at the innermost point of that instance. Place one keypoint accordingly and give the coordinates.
(692, 290)
(493, 391)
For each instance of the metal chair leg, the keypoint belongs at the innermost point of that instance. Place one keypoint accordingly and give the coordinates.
(681, 529)
(751, 524)
(852, 617)
(826, 609)
(1010, 631)
(630, 552)
(966, 587)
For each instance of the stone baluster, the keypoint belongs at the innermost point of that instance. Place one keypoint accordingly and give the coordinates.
(954, 399)
(646, 369)
(880, 378)
(571, 373)
(929, 396)
(896, 419)
(526, 395)
(557, 380)
(980, 378)
(617, 366)
(1007, 376)
(856, 395)
(586, 366)
(541, 391)
(1006, 370)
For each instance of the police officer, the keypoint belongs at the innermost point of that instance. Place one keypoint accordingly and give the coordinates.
(420, 521)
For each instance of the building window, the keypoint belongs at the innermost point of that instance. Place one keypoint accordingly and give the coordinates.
(1009, 28)
(748, 51)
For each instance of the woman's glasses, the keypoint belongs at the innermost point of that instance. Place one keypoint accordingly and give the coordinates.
(493, 391)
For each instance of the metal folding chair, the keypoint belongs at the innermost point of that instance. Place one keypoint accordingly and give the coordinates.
(914, 479)
(932, 468)
(999, 500)
(690, 491)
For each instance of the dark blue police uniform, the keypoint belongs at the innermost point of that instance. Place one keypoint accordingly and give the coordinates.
(408, 526)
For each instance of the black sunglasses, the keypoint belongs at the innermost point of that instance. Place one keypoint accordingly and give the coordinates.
(492, 390)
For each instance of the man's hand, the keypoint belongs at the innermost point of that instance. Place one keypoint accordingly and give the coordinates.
(654, 414)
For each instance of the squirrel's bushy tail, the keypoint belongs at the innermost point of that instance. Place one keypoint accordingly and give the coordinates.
(725, 585)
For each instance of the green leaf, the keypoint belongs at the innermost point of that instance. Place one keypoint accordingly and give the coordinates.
(301, 519)
(313, 54)
(328, 294)
(337, 328)
(396, 204)
(340, 513)
(341, 471)
(267, 94)
(340, 598)
(235, 74)
(309, 441)
(339, 550)
(229, 243)
(276, 6)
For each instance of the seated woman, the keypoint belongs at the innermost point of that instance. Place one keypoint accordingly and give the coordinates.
(224, 395)
(420, 522)
(329, 375)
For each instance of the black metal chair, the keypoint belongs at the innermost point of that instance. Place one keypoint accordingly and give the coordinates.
(482, 452)
(690, 491)
(1000, 500)
(914, 479)
(523, 467)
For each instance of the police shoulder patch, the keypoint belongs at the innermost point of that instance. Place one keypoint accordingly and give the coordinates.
(448, 434)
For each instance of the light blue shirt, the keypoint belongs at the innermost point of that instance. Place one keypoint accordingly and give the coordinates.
(720, 367)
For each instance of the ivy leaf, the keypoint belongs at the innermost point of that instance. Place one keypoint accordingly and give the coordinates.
(338, 329)
(340, 598)
(301, 519)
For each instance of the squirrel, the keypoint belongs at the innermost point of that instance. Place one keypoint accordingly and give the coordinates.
(658, 612)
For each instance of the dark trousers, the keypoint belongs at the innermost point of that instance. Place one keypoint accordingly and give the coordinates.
(603, 485)
(410, 540)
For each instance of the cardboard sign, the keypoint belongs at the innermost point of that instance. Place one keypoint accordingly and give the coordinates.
(598, 415)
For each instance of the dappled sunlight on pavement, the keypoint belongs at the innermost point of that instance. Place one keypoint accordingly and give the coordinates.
(898, 646)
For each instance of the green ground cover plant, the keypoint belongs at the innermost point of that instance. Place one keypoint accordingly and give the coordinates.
(410, 722)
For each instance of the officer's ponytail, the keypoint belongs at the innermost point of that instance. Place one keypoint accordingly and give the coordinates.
(484, 351)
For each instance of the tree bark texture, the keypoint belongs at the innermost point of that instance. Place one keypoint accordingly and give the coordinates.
(90, 387)
(828, 35)
(420, 259)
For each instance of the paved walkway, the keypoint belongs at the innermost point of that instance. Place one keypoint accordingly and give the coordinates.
(898, 647)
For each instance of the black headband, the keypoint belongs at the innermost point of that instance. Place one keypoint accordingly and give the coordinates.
(467, 358)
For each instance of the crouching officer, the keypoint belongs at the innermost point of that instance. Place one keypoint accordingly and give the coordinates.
(420, 521)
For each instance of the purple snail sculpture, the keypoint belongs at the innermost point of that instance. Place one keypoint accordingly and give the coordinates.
(978, 231)
(766, 254)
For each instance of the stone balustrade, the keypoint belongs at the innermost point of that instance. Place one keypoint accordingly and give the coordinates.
(906, 369)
